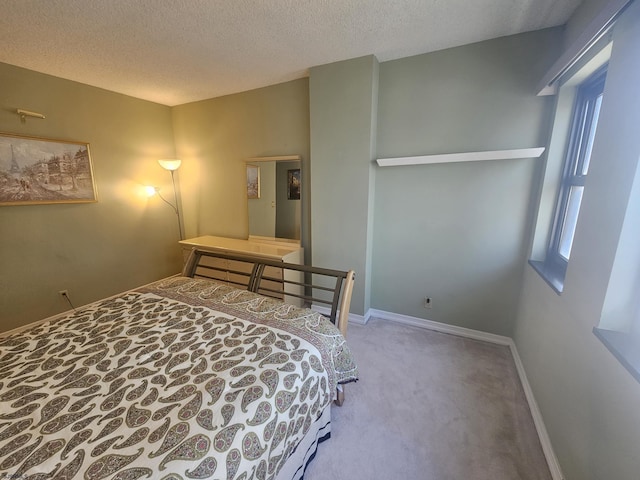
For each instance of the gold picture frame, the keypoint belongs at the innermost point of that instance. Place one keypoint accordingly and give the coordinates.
(37, 171)
(253, 181)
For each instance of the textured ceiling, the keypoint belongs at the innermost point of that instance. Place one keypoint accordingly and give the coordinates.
(179, 51)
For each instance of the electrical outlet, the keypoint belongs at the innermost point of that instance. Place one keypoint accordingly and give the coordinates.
(428, 303)
(63, 293)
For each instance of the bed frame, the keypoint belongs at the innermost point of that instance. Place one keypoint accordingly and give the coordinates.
(311, 286)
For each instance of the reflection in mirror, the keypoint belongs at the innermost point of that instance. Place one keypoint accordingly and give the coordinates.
(277, 211)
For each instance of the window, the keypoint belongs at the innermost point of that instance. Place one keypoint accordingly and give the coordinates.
(576, 167)
(619, 326)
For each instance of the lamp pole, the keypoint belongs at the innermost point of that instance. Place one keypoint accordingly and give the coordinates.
(177, 208)
(172, 165)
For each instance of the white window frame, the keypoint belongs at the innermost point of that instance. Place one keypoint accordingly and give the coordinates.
(576, 164)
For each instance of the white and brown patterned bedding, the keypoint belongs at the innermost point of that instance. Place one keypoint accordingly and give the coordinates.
(182, 379)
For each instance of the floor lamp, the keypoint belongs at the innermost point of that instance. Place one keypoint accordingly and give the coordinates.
(172, 165)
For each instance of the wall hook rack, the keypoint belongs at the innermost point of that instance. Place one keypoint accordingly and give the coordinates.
(26, 113)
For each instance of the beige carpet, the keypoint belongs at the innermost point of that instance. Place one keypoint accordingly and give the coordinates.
(430, 406)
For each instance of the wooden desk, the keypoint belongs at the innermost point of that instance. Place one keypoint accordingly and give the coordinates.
(235, 272)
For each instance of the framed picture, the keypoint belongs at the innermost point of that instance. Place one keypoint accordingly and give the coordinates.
(41, 171)
(253, 181)
(293, 184)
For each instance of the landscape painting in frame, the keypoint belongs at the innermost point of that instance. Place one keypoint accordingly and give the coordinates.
(40, 171)
(253, 181)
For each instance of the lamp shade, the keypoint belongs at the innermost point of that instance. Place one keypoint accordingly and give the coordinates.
(170, 164)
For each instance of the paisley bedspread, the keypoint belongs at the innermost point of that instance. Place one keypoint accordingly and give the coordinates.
(182, 379)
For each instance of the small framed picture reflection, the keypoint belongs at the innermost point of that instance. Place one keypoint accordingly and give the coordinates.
(253, 181)
(293, 184)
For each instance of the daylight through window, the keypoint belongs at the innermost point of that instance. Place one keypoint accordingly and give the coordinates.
(583, 131)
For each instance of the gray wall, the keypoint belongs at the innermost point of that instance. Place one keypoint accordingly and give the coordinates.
(93, 250)
(588, 400)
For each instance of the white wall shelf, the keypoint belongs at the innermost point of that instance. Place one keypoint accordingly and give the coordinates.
(462, 157)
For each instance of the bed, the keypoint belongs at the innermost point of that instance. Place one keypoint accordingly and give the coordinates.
(190, 377)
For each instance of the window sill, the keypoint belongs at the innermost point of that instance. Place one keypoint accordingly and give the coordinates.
(553, 277)
(623, 346)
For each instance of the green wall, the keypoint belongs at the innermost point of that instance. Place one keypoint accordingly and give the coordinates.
(214, 138)
(587, 398)
(98, 249)
(343, 103)
(458, 232)
(581, 18)
(408, 231)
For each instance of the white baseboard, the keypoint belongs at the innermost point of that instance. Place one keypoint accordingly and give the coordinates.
(58, 316)
(545, 441)
(22, 328)
(440, 327)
